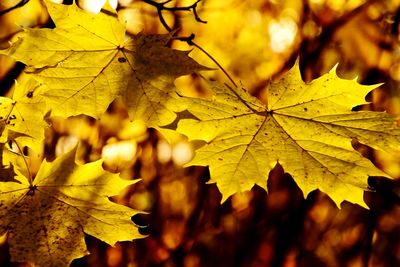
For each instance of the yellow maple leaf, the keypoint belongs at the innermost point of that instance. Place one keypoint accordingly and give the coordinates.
(21, 118)
(87, 61)
(6, 168)
(307, 128)
(46, 219)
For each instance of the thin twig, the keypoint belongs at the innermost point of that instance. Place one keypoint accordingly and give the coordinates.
(188, 39)
(162, 6)
(26, 163)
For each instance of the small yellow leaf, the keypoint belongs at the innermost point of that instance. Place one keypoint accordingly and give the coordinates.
(22, 117)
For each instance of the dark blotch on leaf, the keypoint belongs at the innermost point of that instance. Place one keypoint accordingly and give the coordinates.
(32, 190)
(121, 59)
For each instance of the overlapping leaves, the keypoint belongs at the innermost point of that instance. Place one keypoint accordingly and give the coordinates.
(21, 118)
(87, 61)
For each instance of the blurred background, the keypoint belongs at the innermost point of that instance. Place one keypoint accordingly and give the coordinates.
(255, 41)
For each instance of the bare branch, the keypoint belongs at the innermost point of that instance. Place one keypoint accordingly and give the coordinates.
(188, 39)
(162, 7)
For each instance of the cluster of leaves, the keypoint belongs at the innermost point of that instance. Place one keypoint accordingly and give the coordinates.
(88, 61)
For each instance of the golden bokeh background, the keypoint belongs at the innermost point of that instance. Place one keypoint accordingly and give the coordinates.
(255, 41)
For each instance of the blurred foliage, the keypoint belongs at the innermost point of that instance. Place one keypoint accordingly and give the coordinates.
(255, 41)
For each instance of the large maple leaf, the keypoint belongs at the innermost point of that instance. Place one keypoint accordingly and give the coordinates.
(46, 219)
(307, 128)
(87, 61)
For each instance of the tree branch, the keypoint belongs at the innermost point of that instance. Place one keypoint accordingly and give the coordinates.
(188, 39)
(162, 6)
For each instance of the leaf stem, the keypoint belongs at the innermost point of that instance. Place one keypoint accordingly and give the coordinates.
(216, 63)
(188, 39)
(21, 153)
